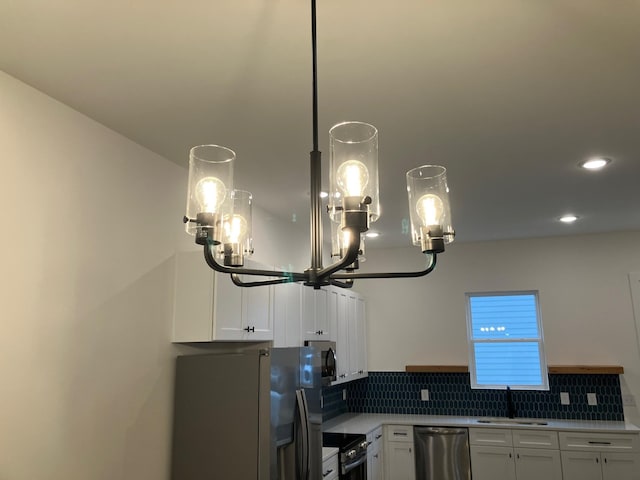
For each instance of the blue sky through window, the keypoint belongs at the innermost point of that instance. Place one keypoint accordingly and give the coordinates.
(505, 340)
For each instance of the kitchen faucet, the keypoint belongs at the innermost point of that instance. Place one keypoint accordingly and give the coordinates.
(511, 408)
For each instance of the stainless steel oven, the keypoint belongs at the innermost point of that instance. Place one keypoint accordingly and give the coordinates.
(352, 453)
(327, 350)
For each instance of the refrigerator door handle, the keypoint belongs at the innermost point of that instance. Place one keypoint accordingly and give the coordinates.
(303, 416)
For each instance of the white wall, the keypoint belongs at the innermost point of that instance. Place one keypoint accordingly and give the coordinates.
(90, 222)
(584, 290)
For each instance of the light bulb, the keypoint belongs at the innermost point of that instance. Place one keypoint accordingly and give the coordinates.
(430, 209)
(235, 228)
(210, 193)
(352, 178)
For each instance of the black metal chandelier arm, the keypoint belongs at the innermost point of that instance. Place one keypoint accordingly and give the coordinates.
(350, 256)
(337, 283)
(235, 278)
(354, 276)
(213, 264)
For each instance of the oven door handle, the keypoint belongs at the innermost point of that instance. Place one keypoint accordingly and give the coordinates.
(347, 467)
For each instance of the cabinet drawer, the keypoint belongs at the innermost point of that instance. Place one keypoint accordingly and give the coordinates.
(499, 437)
(535, 439)
(330, 468)
(603, 442)
(398, 433)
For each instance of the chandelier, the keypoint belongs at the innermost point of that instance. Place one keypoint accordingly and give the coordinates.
(219, 216)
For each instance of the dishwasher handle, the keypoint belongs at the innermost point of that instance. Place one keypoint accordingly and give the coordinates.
(440, 431)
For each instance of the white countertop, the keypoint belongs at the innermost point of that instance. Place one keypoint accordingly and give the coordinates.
(366, 422)
(328, 452)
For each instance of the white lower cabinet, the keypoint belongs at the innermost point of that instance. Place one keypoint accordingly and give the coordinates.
(330, 468)
(514, 454)
(594, 456)
(375, 449)
(399, 454)
(490, 463)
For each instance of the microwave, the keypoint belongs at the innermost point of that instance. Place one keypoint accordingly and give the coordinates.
(328, 354)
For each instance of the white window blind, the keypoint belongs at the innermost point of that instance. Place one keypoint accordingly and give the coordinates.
(506, 345)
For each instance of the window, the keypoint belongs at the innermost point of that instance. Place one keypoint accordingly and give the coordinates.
(506, 346)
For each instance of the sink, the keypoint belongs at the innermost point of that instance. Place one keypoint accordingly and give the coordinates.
(510, 421)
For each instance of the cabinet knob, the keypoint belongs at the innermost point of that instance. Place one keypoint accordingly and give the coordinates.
(375, 456)
(328, 472)
(250, 329)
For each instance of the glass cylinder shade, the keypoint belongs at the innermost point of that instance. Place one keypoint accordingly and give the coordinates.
(340, 243)
(429, 208)
(353, 171)
(210, 186)
(237, 238)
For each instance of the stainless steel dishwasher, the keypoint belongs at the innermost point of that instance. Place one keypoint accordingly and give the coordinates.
(442, 453)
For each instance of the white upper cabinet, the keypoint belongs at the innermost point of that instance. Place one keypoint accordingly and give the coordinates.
(347, 319)
(287, 315)
(315, 323)
(209, 307)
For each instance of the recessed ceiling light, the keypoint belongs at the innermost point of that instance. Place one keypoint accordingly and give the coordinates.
(372, 234)
(595, 163)
(568, 218)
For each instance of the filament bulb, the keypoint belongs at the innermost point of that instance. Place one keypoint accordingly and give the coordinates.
(352, 178)
(235, 228)
(210, 193)
(430, 209)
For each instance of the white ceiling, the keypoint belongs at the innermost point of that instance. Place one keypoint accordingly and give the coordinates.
(509, 95)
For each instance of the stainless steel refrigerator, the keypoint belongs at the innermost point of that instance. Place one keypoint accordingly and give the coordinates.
(254, 414)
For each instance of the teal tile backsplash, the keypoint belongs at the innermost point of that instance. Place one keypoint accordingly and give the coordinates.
(451, 394)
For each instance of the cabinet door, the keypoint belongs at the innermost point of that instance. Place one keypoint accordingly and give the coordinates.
(314, 314)
(257, 314)
(323, 327)
(330, 468)
(492, 463)
(352, 322)
(309, 314)
(286, 315)
(375, 464)
(537, 463)
(342, 339)
(581, 466)
(400, 461)
(333, 294)
(362, 336)
(620, 466)
(375, 467)
(227, 309)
